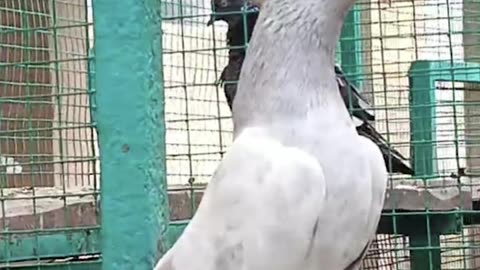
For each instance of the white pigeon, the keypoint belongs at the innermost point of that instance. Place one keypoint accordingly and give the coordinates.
(299, 189)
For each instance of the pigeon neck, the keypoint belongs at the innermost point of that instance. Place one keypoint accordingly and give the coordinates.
(289, 69)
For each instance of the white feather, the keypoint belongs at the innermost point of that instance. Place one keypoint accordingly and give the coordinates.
(299, 189)
(260, 209)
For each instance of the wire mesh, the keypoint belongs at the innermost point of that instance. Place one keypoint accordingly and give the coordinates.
(49, 171)
(430, 218)
(197, 119)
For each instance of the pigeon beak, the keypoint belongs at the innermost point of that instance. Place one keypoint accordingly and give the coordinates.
(211, 21)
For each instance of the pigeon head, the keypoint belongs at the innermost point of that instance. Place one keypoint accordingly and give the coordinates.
(234, 7)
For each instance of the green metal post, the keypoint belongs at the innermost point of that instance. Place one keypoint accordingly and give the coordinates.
(351, 46)
(130, 115)
(422, 113)
(425, 258)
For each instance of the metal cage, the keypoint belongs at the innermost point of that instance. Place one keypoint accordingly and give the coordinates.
(133, 99)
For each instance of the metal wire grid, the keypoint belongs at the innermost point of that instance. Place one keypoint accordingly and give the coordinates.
(392, 252)
(396, 37)
(197, 118)
(49, 167)
(393, 37)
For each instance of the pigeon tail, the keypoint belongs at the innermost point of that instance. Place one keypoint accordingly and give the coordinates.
(394, 160)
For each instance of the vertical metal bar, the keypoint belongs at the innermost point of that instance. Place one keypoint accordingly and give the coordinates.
(131, 126)
(35, 172)
(351, 46)
(59, 107)
(425, 256)
(191, 178)
(422, 125)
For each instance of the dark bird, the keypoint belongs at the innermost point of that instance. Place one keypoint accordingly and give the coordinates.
(238, 36)
(240, 13)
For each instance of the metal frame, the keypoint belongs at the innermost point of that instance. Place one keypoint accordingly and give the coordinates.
(131, 130)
